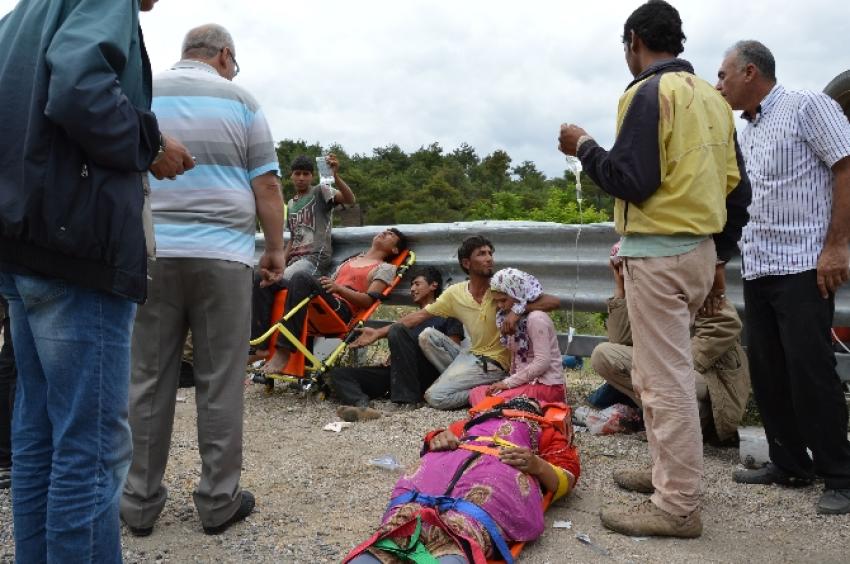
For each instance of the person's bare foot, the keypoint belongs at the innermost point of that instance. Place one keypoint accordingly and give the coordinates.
(276, 363)
(259, 354)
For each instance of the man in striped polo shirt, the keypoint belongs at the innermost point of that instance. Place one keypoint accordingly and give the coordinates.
(201, 280)
(795, 257)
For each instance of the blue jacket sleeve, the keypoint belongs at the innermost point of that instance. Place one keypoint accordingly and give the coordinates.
(86, 56)
(631, 170)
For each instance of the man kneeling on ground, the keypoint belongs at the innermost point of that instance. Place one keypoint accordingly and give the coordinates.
(409, 372)
(721, 374)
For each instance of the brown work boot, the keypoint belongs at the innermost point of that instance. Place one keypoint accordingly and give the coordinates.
(353, 414)
(648, 520)
(634, 480)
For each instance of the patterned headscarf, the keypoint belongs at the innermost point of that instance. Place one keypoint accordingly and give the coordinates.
(524, 288)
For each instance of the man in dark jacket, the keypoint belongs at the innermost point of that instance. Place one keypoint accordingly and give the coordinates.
(78, 137)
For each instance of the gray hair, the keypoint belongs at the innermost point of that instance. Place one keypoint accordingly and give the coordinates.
(755, 53)
(207, 41)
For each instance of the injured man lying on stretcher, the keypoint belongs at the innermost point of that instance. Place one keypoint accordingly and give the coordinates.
(481, 487)
(350, 290)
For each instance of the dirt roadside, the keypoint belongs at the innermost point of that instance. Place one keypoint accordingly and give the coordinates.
(317, 496)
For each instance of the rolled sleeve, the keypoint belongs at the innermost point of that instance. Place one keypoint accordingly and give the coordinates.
(825, 128)
(383, 273)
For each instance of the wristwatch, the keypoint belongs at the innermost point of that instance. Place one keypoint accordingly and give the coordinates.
(161, 152)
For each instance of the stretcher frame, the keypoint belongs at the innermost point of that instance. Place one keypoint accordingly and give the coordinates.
(305, 368)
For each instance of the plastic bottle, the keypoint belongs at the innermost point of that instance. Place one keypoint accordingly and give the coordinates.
(387, 462)
(326, 174)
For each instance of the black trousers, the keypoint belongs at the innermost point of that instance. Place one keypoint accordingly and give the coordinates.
(796, 387)
(8, 377)
(262, 300)
(300, 286)
(406, 379)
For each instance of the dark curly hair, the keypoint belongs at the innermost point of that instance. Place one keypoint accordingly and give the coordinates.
(658, 25)
(468, 245)
(402, 241)
(302, 162)
(431, 275)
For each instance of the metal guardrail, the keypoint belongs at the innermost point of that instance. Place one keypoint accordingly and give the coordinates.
(577, 273)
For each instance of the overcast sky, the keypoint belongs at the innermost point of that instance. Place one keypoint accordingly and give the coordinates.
(494, 74)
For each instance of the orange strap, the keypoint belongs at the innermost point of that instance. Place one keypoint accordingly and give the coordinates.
(480, 448)
(485, 449)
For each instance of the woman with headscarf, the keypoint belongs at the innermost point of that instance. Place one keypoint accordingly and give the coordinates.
(535, 356)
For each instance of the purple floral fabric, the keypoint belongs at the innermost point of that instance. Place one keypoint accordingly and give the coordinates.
(510, 497)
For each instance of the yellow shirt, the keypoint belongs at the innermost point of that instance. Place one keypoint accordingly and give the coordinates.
(478, 319)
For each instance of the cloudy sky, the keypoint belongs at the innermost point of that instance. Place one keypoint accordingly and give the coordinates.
(494, 74)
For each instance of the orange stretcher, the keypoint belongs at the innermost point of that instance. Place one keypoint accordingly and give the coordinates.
(554, 416)
(304, 367)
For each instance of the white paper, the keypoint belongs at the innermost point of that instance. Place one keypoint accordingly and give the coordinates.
(336, 426)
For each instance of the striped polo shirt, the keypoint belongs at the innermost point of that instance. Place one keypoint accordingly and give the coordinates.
(210, 211)
(789, 148)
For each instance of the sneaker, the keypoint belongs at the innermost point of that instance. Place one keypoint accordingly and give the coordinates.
(353, 414)
(245, 509)
(770, 474)
(5, 478)
(648, 520)
(834, 502)
(634, 480)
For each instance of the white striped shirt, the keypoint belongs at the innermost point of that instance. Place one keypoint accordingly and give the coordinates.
(789, 149)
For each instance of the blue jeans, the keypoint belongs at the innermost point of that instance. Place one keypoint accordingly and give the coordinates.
(71, 444)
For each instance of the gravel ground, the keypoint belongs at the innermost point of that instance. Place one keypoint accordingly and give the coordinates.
(317, 496)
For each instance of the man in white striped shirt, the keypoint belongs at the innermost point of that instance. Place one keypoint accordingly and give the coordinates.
(795, 257)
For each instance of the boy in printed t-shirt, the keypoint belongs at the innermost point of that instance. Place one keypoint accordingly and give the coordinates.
(310, 219)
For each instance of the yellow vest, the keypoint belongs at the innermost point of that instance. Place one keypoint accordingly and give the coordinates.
(696, 139)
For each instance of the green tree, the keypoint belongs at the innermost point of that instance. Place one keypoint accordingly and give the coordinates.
(433, 185)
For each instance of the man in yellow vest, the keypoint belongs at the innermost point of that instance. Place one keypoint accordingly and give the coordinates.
(681, 197)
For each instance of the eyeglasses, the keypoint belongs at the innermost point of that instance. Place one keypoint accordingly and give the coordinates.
(233, 58)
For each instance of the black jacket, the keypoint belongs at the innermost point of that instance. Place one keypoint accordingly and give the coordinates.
(75, 91)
